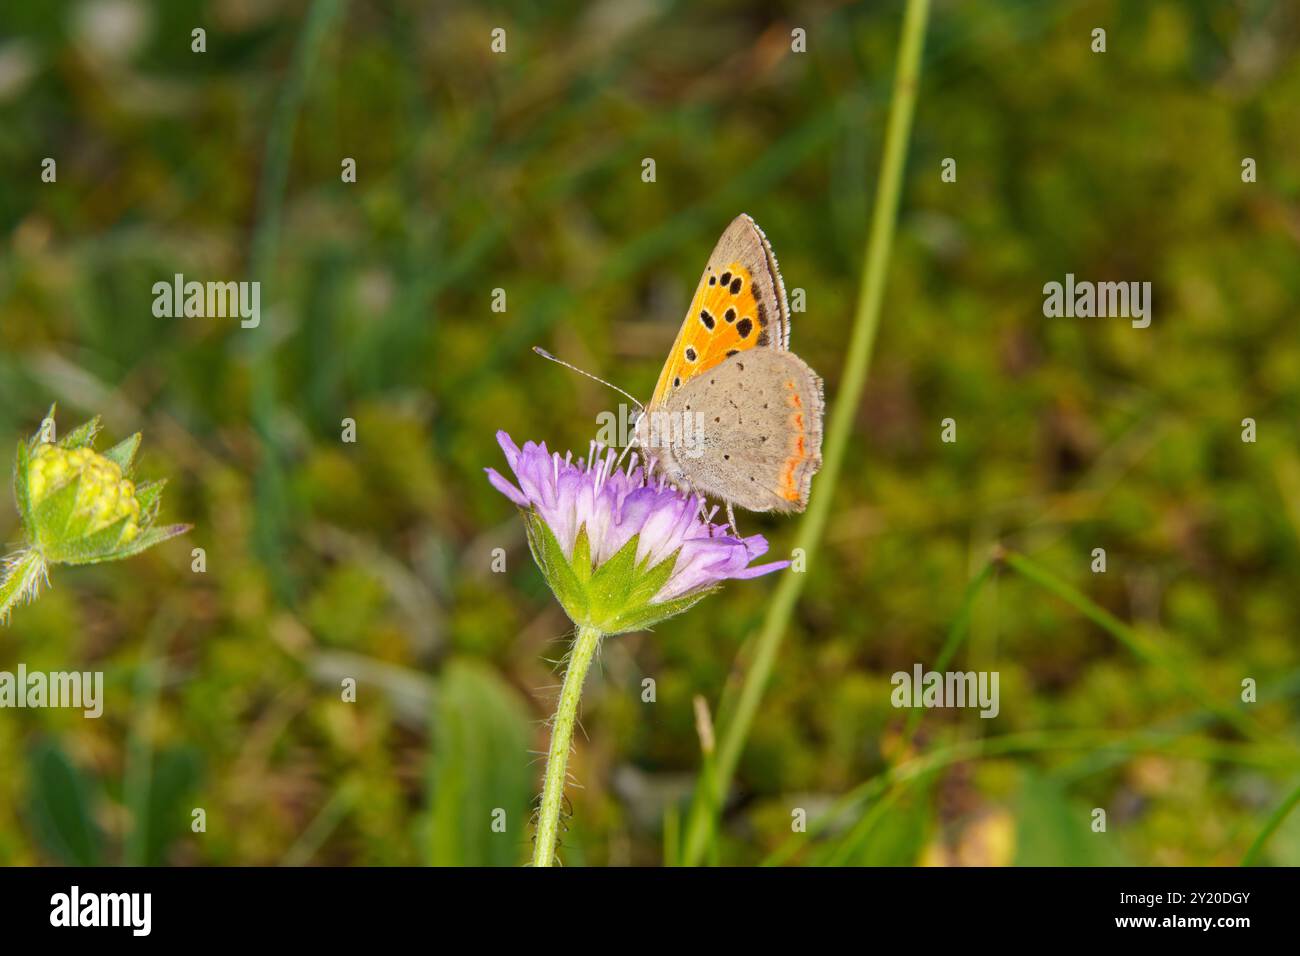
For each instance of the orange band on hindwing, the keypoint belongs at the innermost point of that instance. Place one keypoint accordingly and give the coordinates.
(789, 482)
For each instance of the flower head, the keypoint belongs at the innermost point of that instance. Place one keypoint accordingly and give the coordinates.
(620, 549)
(77, 506)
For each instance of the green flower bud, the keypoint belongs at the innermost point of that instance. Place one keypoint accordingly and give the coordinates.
(97, 498)
(77, 506)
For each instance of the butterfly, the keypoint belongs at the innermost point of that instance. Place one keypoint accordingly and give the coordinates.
(736, 416)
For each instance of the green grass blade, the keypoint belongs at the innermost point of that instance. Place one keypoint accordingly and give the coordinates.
(956, 634)
(1275, 820)
(844, 410)
(1140, 646)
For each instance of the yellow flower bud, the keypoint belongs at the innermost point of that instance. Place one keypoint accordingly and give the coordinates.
(77, 507)
(104, 496)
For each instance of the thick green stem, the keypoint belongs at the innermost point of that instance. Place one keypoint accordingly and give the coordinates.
(22, 576)
(843, 415)
(557, 761)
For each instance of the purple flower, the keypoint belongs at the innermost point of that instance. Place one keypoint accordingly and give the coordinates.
(634, 549)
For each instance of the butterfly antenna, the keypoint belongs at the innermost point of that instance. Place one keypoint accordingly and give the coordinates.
(547, 355)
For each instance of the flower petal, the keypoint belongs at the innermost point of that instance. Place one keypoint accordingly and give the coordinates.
(506, 488)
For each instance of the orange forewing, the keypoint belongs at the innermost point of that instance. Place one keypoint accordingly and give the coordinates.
(719, 323)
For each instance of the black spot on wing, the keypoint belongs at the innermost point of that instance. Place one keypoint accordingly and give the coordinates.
(744, 327)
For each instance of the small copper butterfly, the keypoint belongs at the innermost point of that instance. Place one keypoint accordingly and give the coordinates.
(754, 408)
(736, 416)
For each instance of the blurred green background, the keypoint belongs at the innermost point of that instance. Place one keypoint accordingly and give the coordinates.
(522, 171)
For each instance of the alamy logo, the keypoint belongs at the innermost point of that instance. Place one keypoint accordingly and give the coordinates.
(210, 300)
(1101, 299)
(81, 690)
(923, 688)
(74, 908)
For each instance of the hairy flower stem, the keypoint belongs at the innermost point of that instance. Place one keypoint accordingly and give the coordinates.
(584, 649)
(21, 577)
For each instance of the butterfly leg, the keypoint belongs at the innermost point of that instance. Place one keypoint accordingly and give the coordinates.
(731, 517)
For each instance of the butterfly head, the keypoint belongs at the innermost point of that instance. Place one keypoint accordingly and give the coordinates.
(645, 438)
(672, 439)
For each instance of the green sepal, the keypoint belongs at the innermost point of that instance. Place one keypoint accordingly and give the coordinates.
(649, 615)
(80, 437)
(22, 495)
(123, 453)
(10, 585)
(611, 585)
(556, 568)
(650, 580)
(144, 542)
(150, 497)
(51, 518)
(581, 562)
(90, 548)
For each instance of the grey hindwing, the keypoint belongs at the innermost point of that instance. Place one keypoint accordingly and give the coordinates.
(742, 414)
